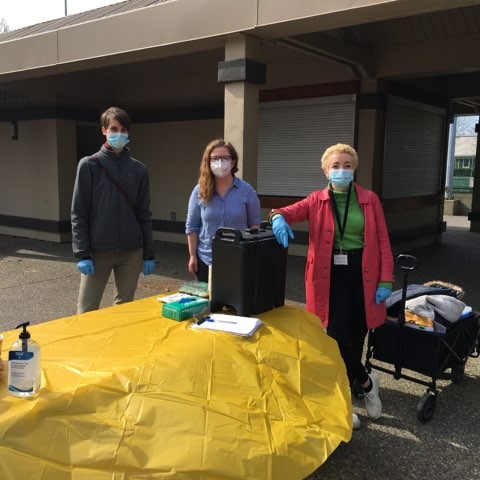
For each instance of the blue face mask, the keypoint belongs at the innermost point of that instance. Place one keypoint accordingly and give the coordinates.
(117, 140)
(340, 178)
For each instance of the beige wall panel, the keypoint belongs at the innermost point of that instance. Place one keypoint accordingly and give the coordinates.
(29, 52)
(172, 152)
(164, 24)
(67, 165)
(314, 15)
(28, 166)
(275, 11)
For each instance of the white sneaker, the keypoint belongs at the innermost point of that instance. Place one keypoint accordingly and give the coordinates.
(373, 404)
(356, 421)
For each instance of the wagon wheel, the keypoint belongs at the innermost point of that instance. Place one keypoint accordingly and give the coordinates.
(426, 407)
(457, 373)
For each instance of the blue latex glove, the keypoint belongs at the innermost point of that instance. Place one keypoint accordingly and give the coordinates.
(382, 294)
(148, 267)
(86, 266)
(281, 230)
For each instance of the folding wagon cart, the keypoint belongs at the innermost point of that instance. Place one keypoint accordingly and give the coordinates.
(427, 353)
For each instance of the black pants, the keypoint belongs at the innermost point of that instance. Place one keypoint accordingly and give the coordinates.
(347, 323)
(202, 271)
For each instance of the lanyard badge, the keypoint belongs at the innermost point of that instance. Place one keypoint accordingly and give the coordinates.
(340, 258)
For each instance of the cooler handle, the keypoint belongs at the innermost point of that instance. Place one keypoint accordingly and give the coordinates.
(265, 225)
(262, 228)
(228, 234)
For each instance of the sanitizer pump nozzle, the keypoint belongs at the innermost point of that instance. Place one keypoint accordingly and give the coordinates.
(24, 336)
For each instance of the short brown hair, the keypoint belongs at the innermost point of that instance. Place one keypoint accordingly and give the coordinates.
(115, 113)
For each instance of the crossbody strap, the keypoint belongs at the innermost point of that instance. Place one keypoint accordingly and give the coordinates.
(117, 185)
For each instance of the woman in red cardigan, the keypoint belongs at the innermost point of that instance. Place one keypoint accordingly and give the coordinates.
(349, 270)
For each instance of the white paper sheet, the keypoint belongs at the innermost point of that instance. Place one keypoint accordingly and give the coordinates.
(243, 326)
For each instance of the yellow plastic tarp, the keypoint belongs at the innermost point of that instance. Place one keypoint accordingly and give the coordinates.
(128, 394)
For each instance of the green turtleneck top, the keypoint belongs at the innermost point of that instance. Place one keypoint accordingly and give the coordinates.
(353, 235)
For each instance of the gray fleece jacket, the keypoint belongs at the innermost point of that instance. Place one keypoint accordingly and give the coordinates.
(101, 217)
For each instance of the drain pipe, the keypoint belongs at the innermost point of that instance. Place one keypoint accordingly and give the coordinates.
(450, 159)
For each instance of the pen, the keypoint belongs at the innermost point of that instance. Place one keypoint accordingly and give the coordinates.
(186, 299)
(210, 319)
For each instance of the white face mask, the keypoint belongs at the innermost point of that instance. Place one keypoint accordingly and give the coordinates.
(220, 168)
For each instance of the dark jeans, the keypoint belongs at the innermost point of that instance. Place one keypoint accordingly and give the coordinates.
(202, 271)
(347, 323)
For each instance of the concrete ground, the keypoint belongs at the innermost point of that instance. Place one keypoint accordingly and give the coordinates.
(39, 282)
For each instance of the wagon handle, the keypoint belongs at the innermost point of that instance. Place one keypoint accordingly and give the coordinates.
(407, 262)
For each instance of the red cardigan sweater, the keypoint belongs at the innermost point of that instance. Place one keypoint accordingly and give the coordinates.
(377, 260)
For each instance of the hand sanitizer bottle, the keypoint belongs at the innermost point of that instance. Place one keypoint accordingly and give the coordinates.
(24, 373)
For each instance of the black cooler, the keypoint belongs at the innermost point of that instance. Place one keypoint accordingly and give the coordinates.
(248, 270)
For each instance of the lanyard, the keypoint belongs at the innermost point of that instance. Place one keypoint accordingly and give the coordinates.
(341, 226)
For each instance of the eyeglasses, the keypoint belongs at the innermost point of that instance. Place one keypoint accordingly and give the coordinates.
(225, 159)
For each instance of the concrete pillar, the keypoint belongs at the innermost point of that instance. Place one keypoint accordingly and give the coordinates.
(372, 103)
(241, 126)
(242, 75)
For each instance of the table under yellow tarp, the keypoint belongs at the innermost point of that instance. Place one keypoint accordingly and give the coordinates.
(129, 394)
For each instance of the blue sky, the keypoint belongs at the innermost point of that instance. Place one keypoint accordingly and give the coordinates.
(466, 125)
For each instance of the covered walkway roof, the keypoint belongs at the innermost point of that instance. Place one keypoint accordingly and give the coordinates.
(73, 61)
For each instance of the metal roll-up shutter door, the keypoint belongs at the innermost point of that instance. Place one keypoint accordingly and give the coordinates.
(413, 149)
(292, 138)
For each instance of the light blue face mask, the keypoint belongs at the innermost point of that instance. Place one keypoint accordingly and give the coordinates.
(117, 140)
(340, 177)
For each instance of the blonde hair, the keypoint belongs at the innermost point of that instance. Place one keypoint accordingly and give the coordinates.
(339, 148)
(206, 179)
